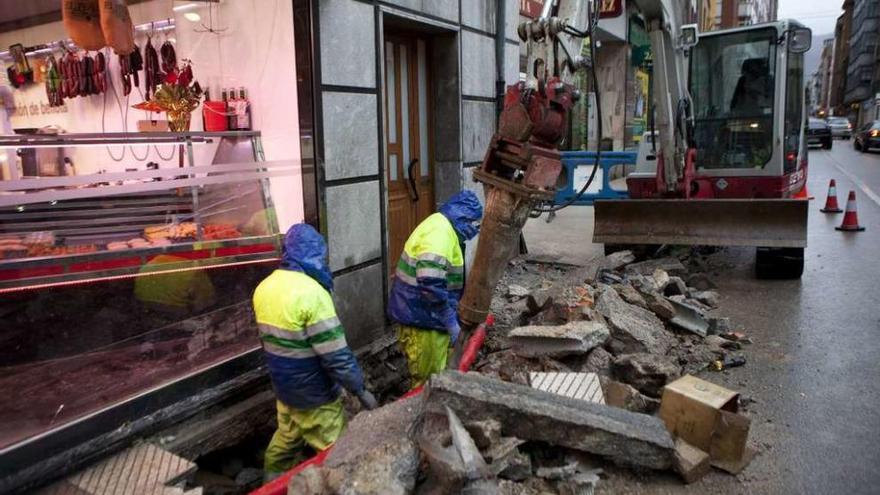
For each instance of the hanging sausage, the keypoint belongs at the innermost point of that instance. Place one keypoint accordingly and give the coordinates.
(152, 74)
(82, 21)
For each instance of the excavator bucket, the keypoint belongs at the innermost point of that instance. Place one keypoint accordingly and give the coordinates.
(705, 222)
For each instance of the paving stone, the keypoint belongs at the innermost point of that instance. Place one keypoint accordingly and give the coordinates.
(573, 338)
(620, 436)
(633, 328)
(648, 373)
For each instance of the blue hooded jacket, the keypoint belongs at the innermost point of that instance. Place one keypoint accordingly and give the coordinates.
(429, 279)
(306, 352)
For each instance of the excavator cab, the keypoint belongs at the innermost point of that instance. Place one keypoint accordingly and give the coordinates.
(747, 155)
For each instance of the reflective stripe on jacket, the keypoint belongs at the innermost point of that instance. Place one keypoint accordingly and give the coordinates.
(429, 278)
(305, 346)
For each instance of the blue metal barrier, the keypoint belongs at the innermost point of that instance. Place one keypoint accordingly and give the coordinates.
(601, 186)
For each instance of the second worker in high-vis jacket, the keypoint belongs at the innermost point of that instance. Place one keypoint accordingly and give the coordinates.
(429, 282)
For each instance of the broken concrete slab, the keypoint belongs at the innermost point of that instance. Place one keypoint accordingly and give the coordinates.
(573, 338)
(659, 305)
(621, 436)
(670, 265)
(624, 396)
(648, 373)
(377, 454)
(635, 329)
(557, 472)
(691, 463)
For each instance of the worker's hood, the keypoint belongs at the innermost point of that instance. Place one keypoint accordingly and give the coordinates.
(305, 251)
(464, 211)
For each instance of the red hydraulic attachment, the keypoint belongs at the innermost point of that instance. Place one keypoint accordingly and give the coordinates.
(520, 168)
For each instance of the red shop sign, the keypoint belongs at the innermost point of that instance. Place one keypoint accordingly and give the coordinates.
(610, 8)
(531, 8)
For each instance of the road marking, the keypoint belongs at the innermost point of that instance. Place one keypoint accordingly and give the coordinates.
(857, 181)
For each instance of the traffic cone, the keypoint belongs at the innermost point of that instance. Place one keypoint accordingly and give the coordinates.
(803, 194)
(851, 217)
(831, 205)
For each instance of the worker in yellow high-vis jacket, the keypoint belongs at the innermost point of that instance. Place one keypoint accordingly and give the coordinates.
(306, 351)
(428, 284)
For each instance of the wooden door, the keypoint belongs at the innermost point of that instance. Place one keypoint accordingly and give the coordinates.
(408, 138)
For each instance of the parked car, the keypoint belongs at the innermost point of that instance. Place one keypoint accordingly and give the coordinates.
(840, 127)
(818, 132)
(867, 137)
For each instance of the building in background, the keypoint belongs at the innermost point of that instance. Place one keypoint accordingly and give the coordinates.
(736, 13)
(862, 81)
(822, 79)
(840, 60)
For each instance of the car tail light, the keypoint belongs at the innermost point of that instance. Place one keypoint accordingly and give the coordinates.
(875, 133)
(790, 156)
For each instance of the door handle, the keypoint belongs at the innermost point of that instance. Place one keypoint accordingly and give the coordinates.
(413, 189)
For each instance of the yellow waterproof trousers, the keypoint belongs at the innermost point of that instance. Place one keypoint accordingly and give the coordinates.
(426, 352)
(319, 427)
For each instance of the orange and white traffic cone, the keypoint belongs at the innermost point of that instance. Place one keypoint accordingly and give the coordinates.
(851, 217)
(831, 205)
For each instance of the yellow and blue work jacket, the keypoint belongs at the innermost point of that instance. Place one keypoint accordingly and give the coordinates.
(429, 279)
(306, 352)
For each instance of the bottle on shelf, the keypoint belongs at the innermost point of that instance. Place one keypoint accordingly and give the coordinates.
(243, 111)
(230, 109)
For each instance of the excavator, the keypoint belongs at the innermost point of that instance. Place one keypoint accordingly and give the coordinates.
(722, 166)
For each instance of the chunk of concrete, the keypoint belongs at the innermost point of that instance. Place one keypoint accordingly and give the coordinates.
(518, 467)
(691, 463)
(720, 326)
(648, 373)
(621, 436)
(514, 290)
(576, 337)
(626, 397)
(708, 297)
(629, 294)
(377, 454)
(598, 361)
(618, 260)
(701, 281)
(485, 433)
(659, 305)
(661, 278)
(634, 328)
(670, 265)
(675, 287)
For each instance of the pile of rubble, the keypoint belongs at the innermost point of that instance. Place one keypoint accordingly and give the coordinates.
(571, 380)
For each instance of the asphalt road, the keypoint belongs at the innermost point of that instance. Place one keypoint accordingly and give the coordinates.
(814, 368)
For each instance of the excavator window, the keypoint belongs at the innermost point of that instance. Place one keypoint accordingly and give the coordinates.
(732, 83)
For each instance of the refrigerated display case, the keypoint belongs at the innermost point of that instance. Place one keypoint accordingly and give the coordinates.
(116, 284)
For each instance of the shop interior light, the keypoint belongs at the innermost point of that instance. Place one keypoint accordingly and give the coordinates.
(192, 17)
(185, 6)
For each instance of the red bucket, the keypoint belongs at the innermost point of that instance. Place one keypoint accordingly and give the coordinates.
(214, 115)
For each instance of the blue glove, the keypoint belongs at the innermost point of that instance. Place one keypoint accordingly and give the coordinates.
(453, 332)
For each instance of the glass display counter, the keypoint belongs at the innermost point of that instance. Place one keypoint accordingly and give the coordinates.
(115, 284)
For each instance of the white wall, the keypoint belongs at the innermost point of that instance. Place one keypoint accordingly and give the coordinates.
(254, 49)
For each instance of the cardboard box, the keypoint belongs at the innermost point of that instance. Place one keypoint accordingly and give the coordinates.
(704, 415)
